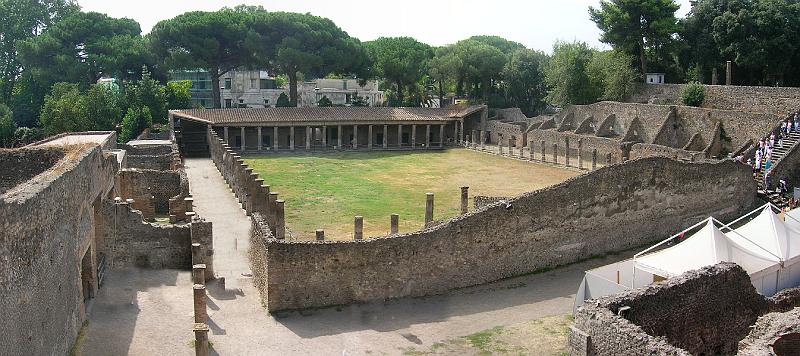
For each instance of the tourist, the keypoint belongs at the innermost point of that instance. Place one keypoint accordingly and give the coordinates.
(758, 162)
(767, 179)
(768, 163)
(796, 122)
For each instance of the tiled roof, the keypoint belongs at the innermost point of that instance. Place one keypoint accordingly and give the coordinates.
(316, 114)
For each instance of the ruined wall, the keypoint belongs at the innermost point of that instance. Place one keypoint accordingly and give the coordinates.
(771, 100)
(18, 166)
(45, 228)
(155, 162)
(502, 131)
(611, 209)
(480, 201)
(706, 311)
(603, 145)
(774, 333)
(641, 150)
(132, 242)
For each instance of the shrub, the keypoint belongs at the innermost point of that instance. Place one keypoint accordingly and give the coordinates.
(283, 101)
(693, 94)
(324, 102)
(7, 126)
(135, 121)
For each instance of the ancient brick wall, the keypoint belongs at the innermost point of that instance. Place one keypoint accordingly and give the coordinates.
(45, 228)
(151, 190)
(155, 162)
(502, 131)
(132, 242)
(611, 209)
(18, 166)
(147, 150)
(771, 100)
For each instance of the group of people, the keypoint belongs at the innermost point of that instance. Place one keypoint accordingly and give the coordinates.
(763, 155)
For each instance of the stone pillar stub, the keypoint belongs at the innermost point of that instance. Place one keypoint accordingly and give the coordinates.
(428, 208)
(320, 234)
(566, 151)
(358, 227)
(394, 222)
(464, 200)
(200, 339)
(543, 151)
(200, 313)
(280, 225)
(199, 273)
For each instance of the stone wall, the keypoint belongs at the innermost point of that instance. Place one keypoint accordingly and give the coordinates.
(771, 100)
(46, 228)
(788, 168)
(611, 209)
(706, 311)
(502, 131)
(155, 162)
(132, 242)
(603, 145)
(773, 334)
(480, 201)
(18, 166)
(641, 150)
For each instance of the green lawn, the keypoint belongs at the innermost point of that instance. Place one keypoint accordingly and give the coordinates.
(327, 190)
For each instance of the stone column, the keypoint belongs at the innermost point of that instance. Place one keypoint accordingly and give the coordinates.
(456, 139)
(243, 136)
(531, 151)
(385, 136)
(441, 135)
(566, 151)
(474, 138)
(428, 208)
(272, 202)
(500, 147)
(275, 138)
(200, 313)
(483, 138)
(555, 153)
(355, 137)
(291, 138)
(714, 76)
(280, 225)
(464, 200)
(427, 136)
(260, 138)
(413, 136)
(226, 135)
(394, 222)
(320, 234)
(339, 136)
(308, 138)
(543, 151)
(200, 339)
(594, 159)
(325, 136)
(728, 73)
(510, 147)
(369, 137)
(400, 135)
(199, 273)
(580, 153)
(358, 227)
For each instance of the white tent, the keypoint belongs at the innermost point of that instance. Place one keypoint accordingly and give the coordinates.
(766, 247)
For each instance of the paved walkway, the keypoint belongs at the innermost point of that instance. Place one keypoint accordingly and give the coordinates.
(145, 312)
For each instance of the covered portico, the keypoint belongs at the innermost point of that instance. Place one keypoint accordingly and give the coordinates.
(266, 130)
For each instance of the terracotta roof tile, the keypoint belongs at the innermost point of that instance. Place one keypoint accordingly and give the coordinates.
(316, 114)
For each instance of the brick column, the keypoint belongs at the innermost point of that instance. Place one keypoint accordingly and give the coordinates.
(385, 136)
(464, 200)
(394, 222)
(200, 313)
(400, 135)
(291, 138)
(355, 137)
(500, 147)
(200, 339)
(199, 273)
(413, 136)
(260, 138)
(427, 136)
(243, 143)
(428, 208)
(358, 227)
(369, 137)
(275, 138)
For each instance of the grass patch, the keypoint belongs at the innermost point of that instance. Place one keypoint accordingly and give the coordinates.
(327, 190)
(73, 351)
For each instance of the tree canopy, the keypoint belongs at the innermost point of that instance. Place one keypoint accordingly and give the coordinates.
(401, 61)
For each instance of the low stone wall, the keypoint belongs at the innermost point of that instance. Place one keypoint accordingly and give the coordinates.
(603, 145)
(611, 209)
(18, 166)
(771, 100)
(480, 201)
(132, 242)
(151, 190)
(706, 311)
(773, 334)
(640, 150)
(155, 162)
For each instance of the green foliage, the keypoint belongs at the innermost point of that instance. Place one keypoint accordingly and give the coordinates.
(283, 101)
(103, 107)
(612, 71)
(567, 75)
(27, 99)
(148, 92)
(64, 110)
(7, 126)
(401, 61)
(636, 27)
(26, 135)
(359, 101)
(22, 20)
(324, 102)
(523, 81)
(693, 94)
(178, 95)
(135, 121)
(281, 81)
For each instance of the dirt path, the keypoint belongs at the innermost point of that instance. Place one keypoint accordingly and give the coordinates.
(145, 312)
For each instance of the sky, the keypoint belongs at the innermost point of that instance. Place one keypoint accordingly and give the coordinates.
(535, 23)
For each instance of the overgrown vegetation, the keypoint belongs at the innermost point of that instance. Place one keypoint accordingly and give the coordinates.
(693, 94)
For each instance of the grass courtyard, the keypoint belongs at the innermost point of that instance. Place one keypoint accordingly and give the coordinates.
(327, 190)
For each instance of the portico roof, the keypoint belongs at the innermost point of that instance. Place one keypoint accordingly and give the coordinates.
(250, 116)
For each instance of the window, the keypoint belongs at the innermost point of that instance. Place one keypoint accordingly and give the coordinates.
(265, 84)
(241, 101)
(348, 98)
(203, 102)
(228, 83)
(228, 103)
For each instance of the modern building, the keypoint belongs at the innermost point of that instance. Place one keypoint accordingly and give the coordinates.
(257, 89)
(329, 128)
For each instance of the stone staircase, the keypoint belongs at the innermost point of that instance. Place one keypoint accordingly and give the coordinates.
(777, 154)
